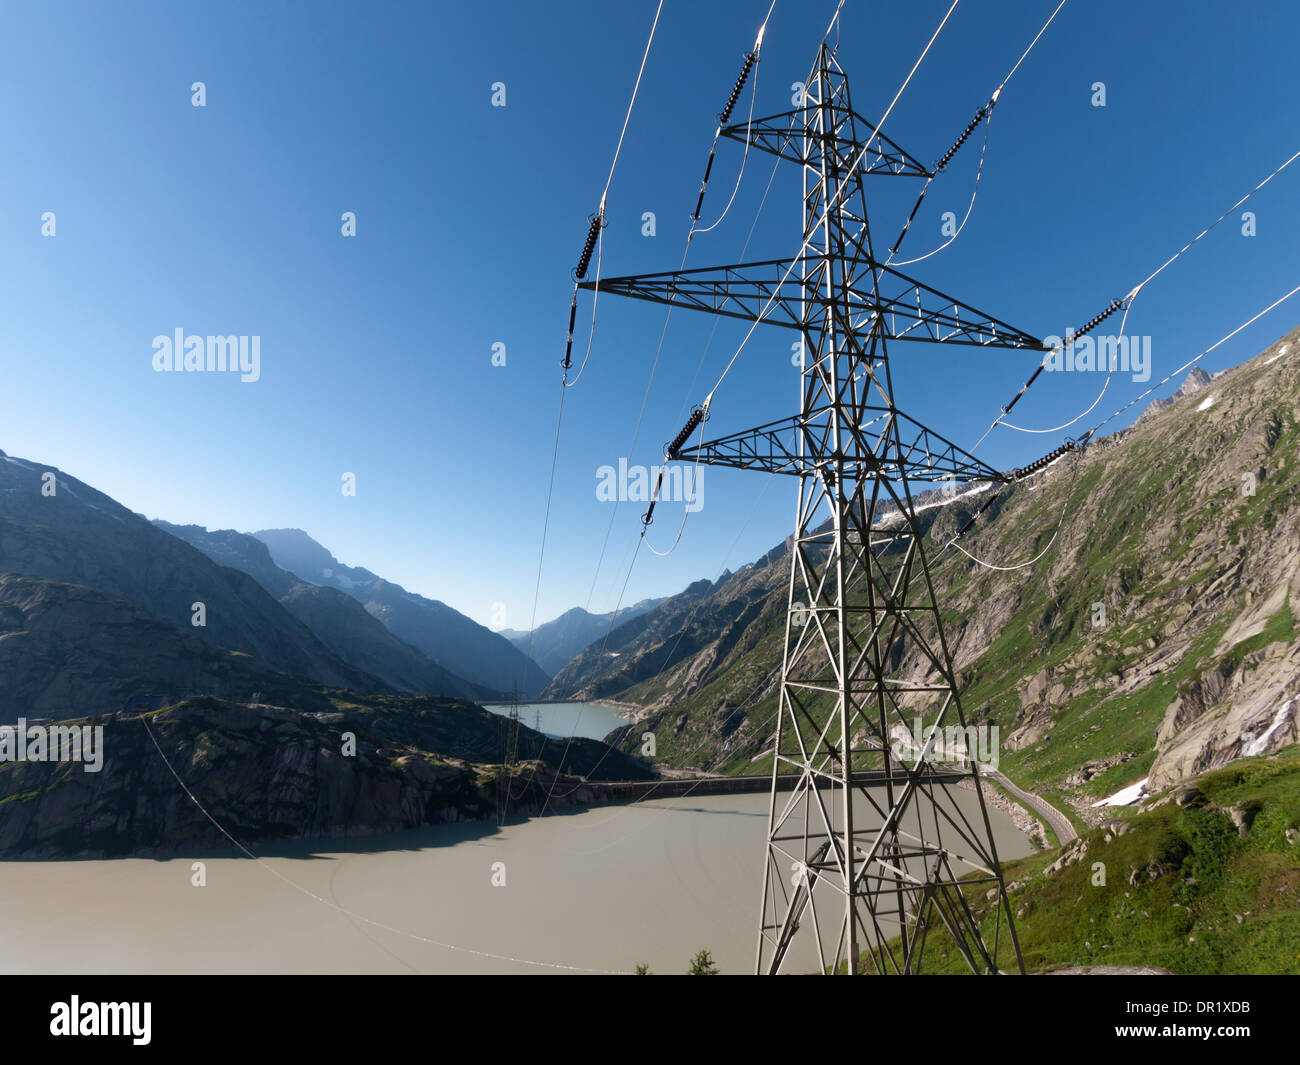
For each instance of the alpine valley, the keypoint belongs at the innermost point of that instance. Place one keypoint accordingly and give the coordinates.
(1125, 620)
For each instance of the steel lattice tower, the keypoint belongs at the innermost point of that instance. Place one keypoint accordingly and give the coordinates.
(864, 856)
(512, 731)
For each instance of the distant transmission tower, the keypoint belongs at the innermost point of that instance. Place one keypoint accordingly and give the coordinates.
(512, 729)
(869, 853)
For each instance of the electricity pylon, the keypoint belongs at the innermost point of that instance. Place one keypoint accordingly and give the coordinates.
(512, 731)
(872, 849)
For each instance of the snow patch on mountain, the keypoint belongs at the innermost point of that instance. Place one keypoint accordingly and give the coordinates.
(1280, 352)
(1126, 796)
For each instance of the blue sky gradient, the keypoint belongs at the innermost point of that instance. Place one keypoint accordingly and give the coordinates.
(376, 350)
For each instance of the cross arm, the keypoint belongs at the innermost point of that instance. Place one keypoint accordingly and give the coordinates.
(782, 135)
(801, 445)
(773, 291)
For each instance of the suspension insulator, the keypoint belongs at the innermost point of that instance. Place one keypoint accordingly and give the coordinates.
(976, 516)
(911, 217)
(649, 515)
(708, 168)
(568, 344)
(1021, 472)
(597, 220)
(692, 423)
(1092, 324)
(725, 116)
(947, 156)
(1023, 388)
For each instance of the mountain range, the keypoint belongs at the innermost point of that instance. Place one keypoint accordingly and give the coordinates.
(99, 560)
(293, 706)
(99, 605)
(338, 620)
(553, 644)
(473, 651)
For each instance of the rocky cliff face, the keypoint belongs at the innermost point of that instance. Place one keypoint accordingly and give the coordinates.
(644, 646)
(1155, 638)
(264, 773)
(67, 650)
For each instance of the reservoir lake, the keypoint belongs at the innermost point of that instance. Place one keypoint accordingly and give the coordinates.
(600, 888)
(594, 721)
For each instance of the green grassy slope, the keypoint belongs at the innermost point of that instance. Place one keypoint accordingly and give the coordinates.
(1183, 889)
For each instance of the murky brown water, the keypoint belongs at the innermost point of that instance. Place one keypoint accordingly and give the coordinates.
(602, 888)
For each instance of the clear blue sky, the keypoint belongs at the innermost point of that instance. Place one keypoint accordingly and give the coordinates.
(376, 351)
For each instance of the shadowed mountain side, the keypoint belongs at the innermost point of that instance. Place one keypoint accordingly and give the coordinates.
(67, 651)
(54, 527)
(338, 620)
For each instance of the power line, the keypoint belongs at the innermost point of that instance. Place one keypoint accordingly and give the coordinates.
(598, 222)
(1012, 71)
(988, 124)
(632, 102)
(752, 59)
(1126, 303)
(594, 241)
(1020, 565)
(1223, 340)
(986, 113)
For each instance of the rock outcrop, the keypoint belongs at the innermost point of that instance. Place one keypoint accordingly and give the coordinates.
(211, 774)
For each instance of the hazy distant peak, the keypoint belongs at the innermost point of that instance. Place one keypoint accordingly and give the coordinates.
(1195, 380)
(297, 552)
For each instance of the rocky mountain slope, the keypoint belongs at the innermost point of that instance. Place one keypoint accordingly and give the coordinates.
(458, 644)
(1194, 382)
(66, 650)
(55, 528)
(1153, 640)
(338, 620)
(554, 644)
